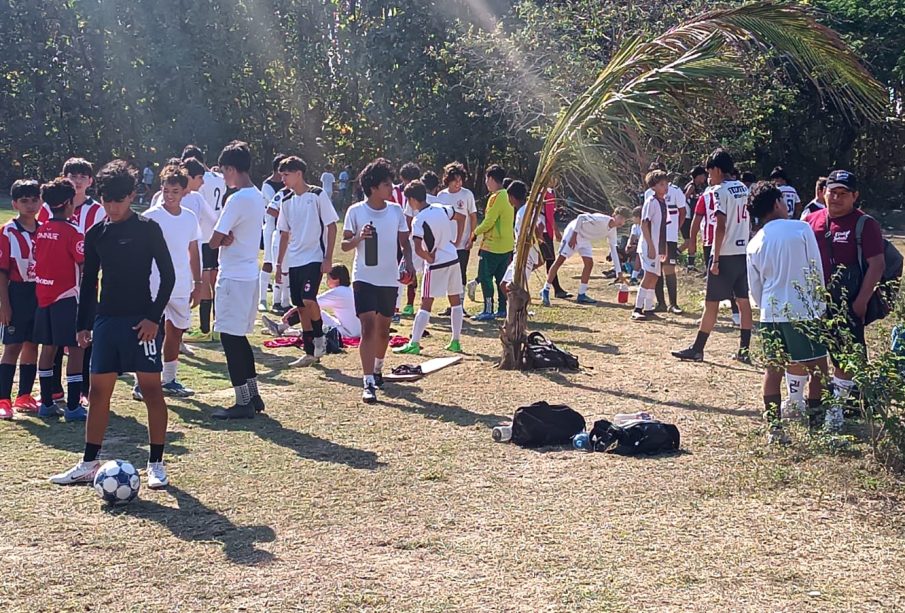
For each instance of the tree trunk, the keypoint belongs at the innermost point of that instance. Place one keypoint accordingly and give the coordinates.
(514, 331)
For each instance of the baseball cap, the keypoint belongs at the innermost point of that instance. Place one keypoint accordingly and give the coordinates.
(842, 178)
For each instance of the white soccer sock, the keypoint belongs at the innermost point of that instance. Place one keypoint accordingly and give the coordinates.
(277, 293)
(582, 289)
(488, 305)
(842, 388)
(400, 295)
(286, 298)
(420, 324)
(378, 365)
(650, 299)
(639, 299)
(262, 292)
(368, 380)
(169, 371)
(457, 316)
(796, 384)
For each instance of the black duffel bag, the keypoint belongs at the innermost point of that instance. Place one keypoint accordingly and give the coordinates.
(540, 353)
(541, 424)
(634, 438)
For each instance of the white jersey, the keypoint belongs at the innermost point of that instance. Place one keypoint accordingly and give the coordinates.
(340, 302)
(434, 225)
(206, 216)
(241, 215)
(675, 199)
(790, 197)
(784, 269)
(179, 232)
(463, 203)
(214, 191)
(327, 181)
(654, 212)
(269, 189)
(306, 218)
(520, 216)
(731, 199)
(388, 223)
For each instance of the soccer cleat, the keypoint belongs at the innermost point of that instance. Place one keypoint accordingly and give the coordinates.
(737, 319)
(136, 393)
(305, 360)
(834, 419)
(83, 472)
(562, 295)
(792, 410)
(378, 380)
(501, 314)
(157, 476)
(675, 310)
(485, 316)
(369, 394)
(777, 436)
(660, 308)
(652, 314)
(6, 409)
(639, 316)
(262, 306)
(743, 356)
(454, 346)
(278, 309)
(408, 310)
(26, 404)
(544, 298)
(237, 411)
(78, 414)
(176, 389)
(446, 312)
(49, 411)
(471, 289)
(320, 347)
(410, 348)
(689, 355)
(275, 328)
(197, 336)
(58, 396)
(258, 403)
(186, 350)
(585, 299)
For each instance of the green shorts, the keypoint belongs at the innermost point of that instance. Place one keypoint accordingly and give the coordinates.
(782, 339)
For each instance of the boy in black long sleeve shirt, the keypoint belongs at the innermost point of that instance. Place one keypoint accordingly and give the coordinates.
(124, 325)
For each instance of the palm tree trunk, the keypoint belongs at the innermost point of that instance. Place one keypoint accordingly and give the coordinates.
(515, 330)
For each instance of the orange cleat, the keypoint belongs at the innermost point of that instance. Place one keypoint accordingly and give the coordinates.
(6, 409)
(26, 404)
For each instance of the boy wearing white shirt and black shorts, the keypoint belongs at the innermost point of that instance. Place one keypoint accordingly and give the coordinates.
(238, 236)
(375, 228)
(307, 225)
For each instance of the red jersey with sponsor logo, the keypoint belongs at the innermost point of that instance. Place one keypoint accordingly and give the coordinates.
(842, 235)
(59, 250)
(85, 216)
(706, 207)
(17, 254)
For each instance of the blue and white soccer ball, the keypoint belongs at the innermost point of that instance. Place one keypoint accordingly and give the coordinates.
(117, 482)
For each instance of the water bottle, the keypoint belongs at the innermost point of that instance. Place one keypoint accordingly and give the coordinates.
(622, 296)
(582, 441)
(502, 433)
(623, 418)
(371, 246)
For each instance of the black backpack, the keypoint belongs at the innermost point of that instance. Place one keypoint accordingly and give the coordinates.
(884, 297)
(541, 353)
(334, 340)
(634, 438)
(541, 424)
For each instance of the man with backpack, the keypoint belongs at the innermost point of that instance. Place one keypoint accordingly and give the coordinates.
(852, 241)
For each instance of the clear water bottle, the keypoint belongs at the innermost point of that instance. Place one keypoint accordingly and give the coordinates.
(582, 441)
(623, 418)
(502, 433)
(371, 247)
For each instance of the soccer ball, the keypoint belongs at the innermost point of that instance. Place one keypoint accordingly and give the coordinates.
(405, 277)
(117, 482)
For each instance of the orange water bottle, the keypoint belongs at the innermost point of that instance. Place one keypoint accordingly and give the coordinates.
(623, 294)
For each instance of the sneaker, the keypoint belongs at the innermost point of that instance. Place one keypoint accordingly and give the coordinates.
(197, 336)
(485, 316)
(26, 404)
(58, 396)
(6, 409)
(83, 472)
(378, 380)
(157, 476)
(369, 395)
(49, 411)
(408, 310)
(743, 356)
(660, 308)
(274, 327)
(652, 314)
(77, 414)
(136, 393)
(675, 310)
(777, 436)
(305, 360)
(186, 350)
(471, 288)
(585, 299)
(737, 319)
(834, 419)
(237, 411)
(792, 410)
(258, 403)
(262, 306)
(176, 389)
(320, 347)
(278, 309)
(409, 348)
(562, 295)
(454, 346)
(689, 355)
(639, 316)
(501, 314)
(544, 299)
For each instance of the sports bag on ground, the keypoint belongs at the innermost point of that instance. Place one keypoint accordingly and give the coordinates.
(541, 424)
(541, 353)
(634, 438)
(334, 340)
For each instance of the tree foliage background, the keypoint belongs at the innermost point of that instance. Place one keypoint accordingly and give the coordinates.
(346, 80)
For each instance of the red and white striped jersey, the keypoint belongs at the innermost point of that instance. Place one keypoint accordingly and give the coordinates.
(17, 253)
(59, 250)
(84, 217)
(706, 207)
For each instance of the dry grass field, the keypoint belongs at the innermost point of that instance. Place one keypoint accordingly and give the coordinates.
(326, 504)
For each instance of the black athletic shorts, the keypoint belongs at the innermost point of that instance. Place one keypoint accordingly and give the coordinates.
(115, 346)
(55, 324)
(210, 258)
(546, 248)
(686, 228)
(464, 255)
(304, 282)
(374, 298)
(672, 253)
(732, 280)
(24, 303)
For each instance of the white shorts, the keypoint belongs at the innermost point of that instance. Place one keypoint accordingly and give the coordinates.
(651, 266)
(442, 282)
(235, 306)
(178, 312)
(582, 247)
(269, 248)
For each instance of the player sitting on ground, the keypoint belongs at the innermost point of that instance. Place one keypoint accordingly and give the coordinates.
(654, 217)
(337, 306)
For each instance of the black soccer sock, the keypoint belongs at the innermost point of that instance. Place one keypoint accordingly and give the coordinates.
(661, 299)
(58, 371)
(733, 305)
(240, 359)
(204, 311)
(672, 289)
(308, 341)
(156, 454)
(294, 319)
(7, 373)
(86, 373)
(27, 375)
(73, 391)
(691, 258)
(745, 340)
(46, 381)
(700, 341)
(317, 327)
(91, 452)
(771, 408)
